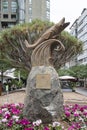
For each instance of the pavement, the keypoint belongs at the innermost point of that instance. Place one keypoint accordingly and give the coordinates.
(79, 96)
(82, 91)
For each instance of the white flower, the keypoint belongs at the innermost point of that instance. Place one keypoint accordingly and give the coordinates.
(37, 123)
(4, 109)
(7, 112)
(70, 106)
(83, 127)
(76, 112)
(81, 119)
(15, 117)
(16, 104)
(63, 127)
(85, 110)
(34, 123)
(4, 120)
(56, 124)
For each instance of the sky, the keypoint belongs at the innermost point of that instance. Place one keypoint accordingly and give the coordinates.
(70, 9)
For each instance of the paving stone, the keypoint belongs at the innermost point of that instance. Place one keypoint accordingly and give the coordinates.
(69, 97)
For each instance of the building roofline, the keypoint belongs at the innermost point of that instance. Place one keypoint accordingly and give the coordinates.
(73, 23)
(83, 10)
(78, 17)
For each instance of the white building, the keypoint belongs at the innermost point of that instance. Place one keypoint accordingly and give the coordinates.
(79, 30)
(82, 35)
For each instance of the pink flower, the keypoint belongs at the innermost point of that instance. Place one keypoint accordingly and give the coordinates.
(70, 128)
(67, 113)
(76, 114)
(85, 112)
(15, 111)
(24, 122)
(10, 123)
(7, 116)
(0, 111)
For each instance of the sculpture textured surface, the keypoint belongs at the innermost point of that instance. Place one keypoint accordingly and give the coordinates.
(47, 44)
(42, 101)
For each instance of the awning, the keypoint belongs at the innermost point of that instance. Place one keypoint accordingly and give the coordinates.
(67, 78)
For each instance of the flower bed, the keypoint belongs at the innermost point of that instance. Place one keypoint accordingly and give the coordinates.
(76, 116)
(11, 118)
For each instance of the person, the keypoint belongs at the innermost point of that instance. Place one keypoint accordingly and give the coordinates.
(0, 88)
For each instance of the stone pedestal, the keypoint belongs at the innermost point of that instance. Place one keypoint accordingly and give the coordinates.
(44, 98)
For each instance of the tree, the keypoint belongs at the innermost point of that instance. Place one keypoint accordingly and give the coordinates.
(79, 71)
(15, 50)
(4, 63)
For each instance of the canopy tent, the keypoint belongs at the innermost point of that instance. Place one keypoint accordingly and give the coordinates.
(9, 74)
(68, 82)
(5, 77)
(67, 78)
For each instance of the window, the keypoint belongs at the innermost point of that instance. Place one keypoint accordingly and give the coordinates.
(30, 1)
(80, 61)
(13, 16)
(13, 6)
(30, 20)
(22, 15)
(85, 59)
(81, 22)
(5, 16)
(10, 25)
(5, 6)
(48, 14)
(4, 25)
(80, 31)
(47, 4)
(30, 11)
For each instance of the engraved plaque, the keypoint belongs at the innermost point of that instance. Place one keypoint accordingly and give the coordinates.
(43, 81)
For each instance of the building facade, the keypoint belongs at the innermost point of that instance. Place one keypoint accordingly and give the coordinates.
(8, 13)
(79, 30)
(37, 9)
(82, 35)
(20, 11)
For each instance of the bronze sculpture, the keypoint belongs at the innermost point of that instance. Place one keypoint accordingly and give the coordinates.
(44, 98)
(46, 44)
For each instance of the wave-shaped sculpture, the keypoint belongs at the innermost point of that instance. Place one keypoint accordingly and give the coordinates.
(46, 44)
(42, 54)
